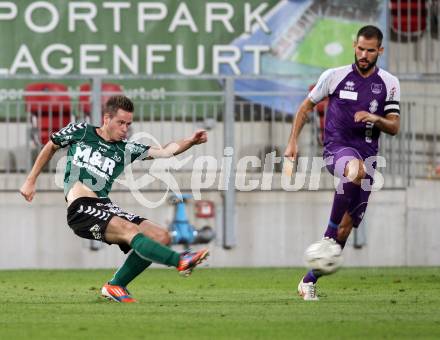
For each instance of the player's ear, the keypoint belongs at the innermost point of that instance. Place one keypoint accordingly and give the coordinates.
(381, 49)
(106, 118)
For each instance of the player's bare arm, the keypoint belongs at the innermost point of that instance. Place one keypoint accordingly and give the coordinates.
(389, 124)
(174, 148)
(45, 155)
(298, 123)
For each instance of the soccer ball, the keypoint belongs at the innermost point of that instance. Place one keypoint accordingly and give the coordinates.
(324, 256)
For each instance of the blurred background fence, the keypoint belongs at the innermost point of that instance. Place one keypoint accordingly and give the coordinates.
(252, 130)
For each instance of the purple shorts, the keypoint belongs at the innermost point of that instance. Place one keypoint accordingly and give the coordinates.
(337, 158)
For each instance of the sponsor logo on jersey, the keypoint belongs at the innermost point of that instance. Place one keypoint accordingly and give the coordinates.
(133, 148)
(376, 88)
(348, 95)
(116, 157)
(349, 85)
(373, 106)
(392, 93)
(103, 144)
(64, 140)
(85, 158)
(369, 132)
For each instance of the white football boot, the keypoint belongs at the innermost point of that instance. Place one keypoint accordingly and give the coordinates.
(329, 240)
(307, 291)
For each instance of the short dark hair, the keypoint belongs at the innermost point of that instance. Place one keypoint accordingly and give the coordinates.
(114, 103)
(370, 32)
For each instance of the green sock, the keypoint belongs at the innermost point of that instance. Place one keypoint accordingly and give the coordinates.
(150, 250)
(132, 267)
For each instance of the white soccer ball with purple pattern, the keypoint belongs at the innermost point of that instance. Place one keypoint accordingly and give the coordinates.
(324, 256)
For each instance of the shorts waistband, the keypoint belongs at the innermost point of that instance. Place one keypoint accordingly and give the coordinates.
(87, 200)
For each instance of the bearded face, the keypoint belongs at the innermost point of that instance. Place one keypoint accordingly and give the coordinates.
(366, 53)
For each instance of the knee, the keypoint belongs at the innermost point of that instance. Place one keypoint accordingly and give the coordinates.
(120, 231)
(164, 238)
(128, 230)
(155, 232)
(355, 171)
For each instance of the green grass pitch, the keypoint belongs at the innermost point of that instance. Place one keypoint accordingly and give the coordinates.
(328, 44)
(393, 303)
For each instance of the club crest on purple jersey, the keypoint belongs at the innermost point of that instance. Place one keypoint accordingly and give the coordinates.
(376, 88)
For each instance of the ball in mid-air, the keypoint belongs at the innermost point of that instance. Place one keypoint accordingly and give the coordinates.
(324, 256)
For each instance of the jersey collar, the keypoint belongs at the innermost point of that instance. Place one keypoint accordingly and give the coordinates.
(95, 128)
(355, 70)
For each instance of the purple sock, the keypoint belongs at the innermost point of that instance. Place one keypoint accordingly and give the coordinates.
(341, 243)
(311, 276)
(341, 202)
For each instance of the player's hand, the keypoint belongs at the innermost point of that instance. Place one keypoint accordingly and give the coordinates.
(290, 155)
(28, 190)
(364, 117)
(200, 136)
(291, 151)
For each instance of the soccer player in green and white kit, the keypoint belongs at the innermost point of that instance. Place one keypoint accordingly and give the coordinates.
(96, 157)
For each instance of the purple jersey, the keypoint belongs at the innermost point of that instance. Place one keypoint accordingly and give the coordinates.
(349, 93)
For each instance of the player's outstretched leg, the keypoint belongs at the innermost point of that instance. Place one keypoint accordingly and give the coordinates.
(116, 288)
(307, 287)
(116, 291)
(189, 260)
(119, 231)
(351, 173)
(153, 251)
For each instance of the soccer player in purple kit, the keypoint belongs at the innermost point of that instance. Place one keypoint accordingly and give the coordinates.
(363, 102)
